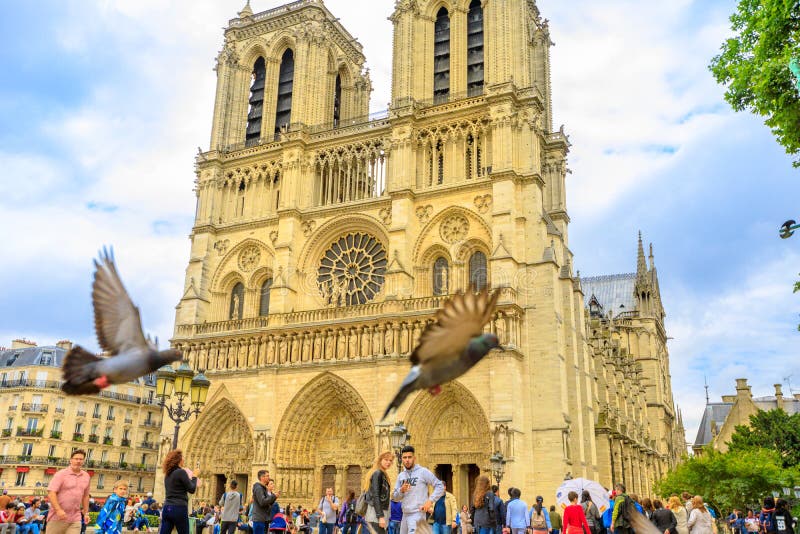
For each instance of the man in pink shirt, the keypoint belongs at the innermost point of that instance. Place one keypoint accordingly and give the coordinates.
(69, 497)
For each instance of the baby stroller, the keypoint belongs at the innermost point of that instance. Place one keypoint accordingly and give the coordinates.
(278, 524)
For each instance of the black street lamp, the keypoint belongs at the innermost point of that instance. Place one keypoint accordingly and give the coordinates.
(399, 437)
(182, 384)
(498, 464)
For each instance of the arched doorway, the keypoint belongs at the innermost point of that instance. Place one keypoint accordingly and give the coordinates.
(221, 442)
(451, 435)
(325, 439)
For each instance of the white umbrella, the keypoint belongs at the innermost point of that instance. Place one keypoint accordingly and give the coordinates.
(597, 492)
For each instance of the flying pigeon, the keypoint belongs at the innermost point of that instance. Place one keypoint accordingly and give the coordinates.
(119, 332)
(451, 345)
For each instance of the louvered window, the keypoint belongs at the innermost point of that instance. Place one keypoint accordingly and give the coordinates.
(477, 270)
(283, 111)
(475, 49)
(337, 101)
(441, 57)
(263, 307)
(256, 103)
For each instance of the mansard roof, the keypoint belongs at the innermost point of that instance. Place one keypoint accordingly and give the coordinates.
(614, 292)
(23, 357)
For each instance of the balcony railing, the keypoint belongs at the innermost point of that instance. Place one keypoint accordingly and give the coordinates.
(96, 415)
(80, 413)
(120, 396)
(30, 432)
(147, 445)
(6, 432)
(77, 436)
(34, 408)
(59, 410)
(36, 460)
(125, 442)
(55, 434)
(13, 408)
(128, 421)
(152, 423)
(94, 438)
(109, 417)
(108, 440)
(30, 383)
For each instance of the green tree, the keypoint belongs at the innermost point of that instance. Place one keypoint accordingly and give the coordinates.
(773, 429)
(729, 480)
(754, 65)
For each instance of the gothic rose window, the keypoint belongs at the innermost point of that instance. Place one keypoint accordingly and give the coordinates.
(352, 270)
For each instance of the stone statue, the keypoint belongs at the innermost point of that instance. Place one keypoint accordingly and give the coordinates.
(329, 347)
(353, 344)
(305, 354)
(341, 345)
(377, 340)
(317, 355)
(388, 345)
(404, 338)
(365, 342)
(236, 312)
(270, 350)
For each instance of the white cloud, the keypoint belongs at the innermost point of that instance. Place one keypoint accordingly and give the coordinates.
(747, 331)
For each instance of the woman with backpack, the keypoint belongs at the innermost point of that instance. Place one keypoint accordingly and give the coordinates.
(483, 510)
(591, 512)
(349, 516)
(379, 493)
(700, 521)
(540, 519)
(766, 517)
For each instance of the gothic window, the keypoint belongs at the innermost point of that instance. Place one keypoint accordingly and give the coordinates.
(240, 199)
(337, 101)
(477, 270)
(468, 157)
(441, 276)
(439, 163)
(263, 306)
(283, 111)
(441, 57)
(237, 302)
(352, 270)
(475, 49)
(256, 103)
(276, 186)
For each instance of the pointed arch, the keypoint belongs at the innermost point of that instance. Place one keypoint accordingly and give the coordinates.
(229, 264)
(453, 416)
(221, 440)
(327, 423)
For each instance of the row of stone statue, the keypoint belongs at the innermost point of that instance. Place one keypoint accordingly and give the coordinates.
(346, 343)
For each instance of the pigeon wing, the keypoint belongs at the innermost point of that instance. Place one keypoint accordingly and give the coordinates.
(116, 319)
(459, 320)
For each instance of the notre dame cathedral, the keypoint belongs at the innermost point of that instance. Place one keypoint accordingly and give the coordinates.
(325, 239)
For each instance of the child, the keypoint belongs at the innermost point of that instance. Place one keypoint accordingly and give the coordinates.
(111, 517)
(140, 519)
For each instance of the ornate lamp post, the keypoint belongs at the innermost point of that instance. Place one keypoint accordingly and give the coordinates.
(498, 464)
(399, 437)
(182, 383)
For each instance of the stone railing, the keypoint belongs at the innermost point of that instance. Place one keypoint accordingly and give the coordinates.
(325, 315)
(325, 341)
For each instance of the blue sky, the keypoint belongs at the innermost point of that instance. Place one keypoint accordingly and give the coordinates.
(104, 103)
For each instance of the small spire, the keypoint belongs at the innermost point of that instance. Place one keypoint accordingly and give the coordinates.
(246, 11)
(641, 266)
(652, 259)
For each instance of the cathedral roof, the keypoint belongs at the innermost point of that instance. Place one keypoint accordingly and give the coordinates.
(614, 292)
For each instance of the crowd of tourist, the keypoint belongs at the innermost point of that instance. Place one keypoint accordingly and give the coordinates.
(416, 503)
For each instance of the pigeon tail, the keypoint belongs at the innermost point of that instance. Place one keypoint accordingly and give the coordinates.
(409, 385)
(79, 372)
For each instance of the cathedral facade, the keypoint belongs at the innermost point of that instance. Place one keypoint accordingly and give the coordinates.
(326, 238)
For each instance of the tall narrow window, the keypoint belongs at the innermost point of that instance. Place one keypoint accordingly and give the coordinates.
(256, 103)
(337, 101)
(237, 302)
(468, 157)
(441, 57)
(477, 270)
(475, 49)
(439, 163)
(441, 276)
(283, 112)
(263, 306)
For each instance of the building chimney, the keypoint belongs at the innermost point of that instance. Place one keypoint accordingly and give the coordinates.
(22, 344)
(779, 396)
(742, 389)
(65, 344)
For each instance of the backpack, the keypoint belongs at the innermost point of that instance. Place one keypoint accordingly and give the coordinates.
(490, 508)
(350, 515)
(361, 503)
(624, 516)
(765, 518)
(538, 522)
